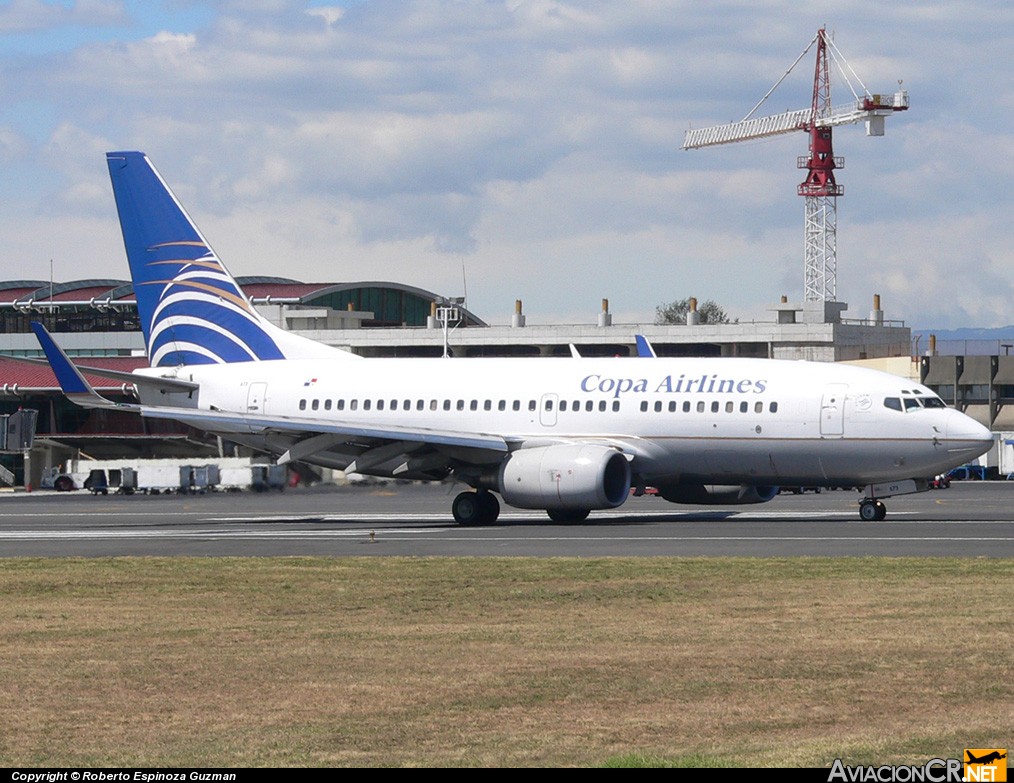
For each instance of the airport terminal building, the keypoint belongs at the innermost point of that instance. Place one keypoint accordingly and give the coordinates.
(96, 322)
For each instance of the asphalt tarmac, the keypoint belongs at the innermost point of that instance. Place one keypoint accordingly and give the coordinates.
(970, 519)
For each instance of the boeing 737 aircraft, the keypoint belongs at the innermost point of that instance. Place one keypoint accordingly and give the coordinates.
(566, 435)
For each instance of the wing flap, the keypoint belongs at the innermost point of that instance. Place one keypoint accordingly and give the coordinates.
(226, 421)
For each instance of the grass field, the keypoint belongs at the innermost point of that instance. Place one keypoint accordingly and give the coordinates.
(790, 662)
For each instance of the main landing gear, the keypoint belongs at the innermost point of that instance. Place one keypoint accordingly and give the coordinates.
(475, 508)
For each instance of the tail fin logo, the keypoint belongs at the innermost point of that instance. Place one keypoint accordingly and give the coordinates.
(192, 311)
(200, 315)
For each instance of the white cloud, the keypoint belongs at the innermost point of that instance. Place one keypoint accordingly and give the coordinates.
(34, 15)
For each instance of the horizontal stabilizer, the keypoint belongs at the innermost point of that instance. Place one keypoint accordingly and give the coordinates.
(73, 383)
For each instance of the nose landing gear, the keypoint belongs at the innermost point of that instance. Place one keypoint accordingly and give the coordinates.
(871, 510)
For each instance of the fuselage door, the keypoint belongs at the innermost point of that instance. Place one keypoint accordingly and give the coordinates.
(547, 409)
(832, 410)
(256, 396)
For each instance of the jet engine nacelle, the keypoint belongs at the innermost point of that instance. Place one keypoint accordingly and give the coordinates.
(717, 495)
(565, 476)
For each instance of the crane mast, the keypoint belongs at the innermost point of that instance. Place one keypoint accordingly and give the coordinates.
(820, 220)
(819, 188)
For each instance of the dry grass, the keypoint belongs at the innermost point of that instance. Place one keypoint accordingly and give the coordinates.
(502, 662)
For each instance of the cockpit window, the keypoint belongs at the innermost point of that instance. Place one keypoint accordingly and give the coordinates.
(913, 403)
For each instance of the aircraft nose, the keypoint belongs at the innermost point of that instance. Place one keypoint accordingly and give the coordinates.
(967, 434)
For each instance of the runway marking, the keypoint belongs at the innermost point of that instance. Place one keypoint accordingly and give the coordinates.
(26, 535)
(429, 535)
(66, 513)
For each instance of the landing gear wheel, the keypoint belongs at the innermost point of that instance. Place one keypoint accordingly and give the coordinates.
(872, 511)
(490, 506)
(568, 516)
(475, 508)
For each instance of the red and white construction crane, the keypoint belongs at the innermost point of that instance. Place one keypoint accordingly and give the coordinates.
(819, 188)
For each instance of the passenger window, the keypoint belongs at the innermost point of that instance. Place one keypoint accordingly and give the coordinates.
(893, 403)
(714, 406)
(367, 404)
(487, 405)
(340, 405)
(602, 406)
(672, 407)
(531, 405)
(461, 405)
(589, 406)
(729, 406)
(420, 405)
(380, 405)
(447, 405)
(473, 405)
(744, 407)
(516, 405)
(616, 405)
(353, 404)
(658, 406)
(502, 405)
(686, 406)
(433, 405)
(563, 405)
(315, 404)
(302, 405)
(644, 406)
(758, 407)
(700, 406)
(773, 407)
(327, 405)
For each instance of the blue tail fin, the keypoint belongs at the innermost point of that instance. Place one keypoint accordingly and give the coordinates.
(192, 311)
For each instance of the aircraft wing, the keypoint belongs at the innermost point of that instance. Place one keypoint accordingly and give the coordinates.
(409, 452)
(352, 446)
(385, 449)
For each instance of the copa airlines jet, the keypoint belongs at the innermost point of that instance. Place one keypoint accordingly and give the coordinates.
(566, 435)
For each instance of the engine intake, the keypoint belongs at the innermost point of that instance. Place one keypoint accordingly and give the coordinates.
(565, 476)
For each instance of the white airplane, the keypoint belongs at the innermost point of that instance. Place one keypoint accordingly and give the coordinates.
(567, 435)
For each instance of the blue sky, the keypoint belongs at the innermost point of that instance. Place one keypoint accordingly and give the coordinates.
(517, 150)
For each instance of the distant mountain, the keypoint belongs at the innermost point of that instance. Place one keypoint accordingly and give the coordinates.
(1004, 333)
(969, 341)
